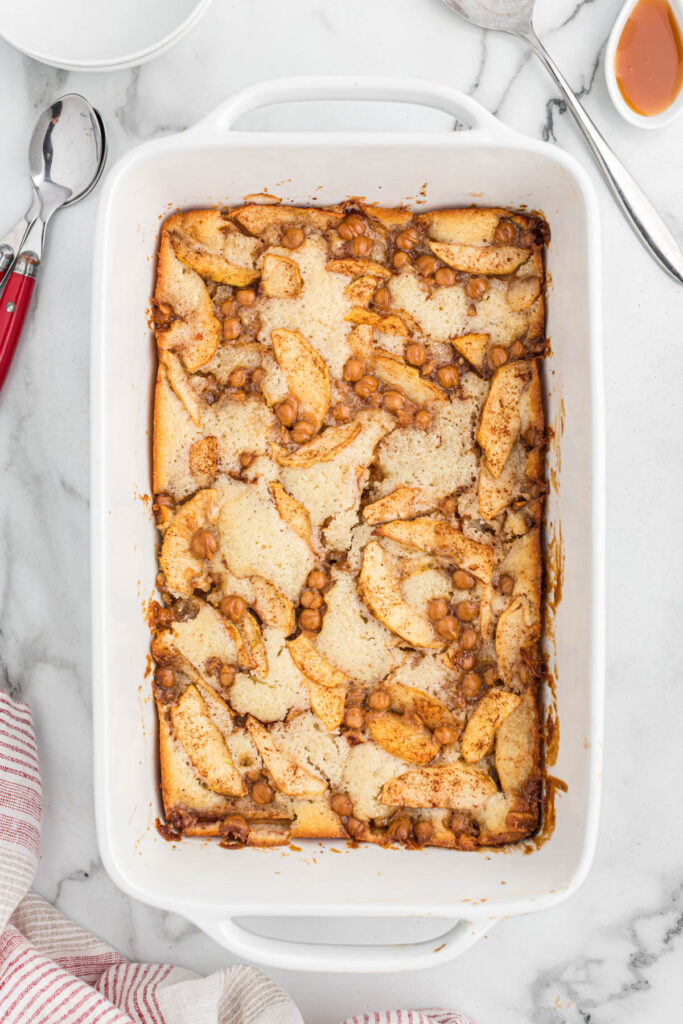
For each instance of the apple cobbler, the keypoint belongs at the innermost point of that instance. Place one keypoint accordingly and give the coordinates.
(349, 483)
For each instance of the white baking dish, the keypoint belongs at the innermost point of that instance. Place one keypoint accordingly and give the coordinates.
(212, 164)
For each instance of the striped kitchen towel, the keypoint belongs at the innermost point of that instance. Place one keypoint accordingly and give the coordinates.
(53, 972)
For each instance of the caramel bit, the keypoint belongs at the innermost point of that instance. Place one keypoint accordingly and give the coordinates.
(423, 830)
(232, 328)
(446, 735)
(353, 718)
(203, 544)
(400, 259)
(310, 619)
(351, 227)
(293, 238)
(302, 431)
(468, 639)
(238, 377)
(226, 676)
(445, 277)
(262, 793)
(317, 579)
(447, 627)
(427, 264)
(477, 288)
(341, 805)
(398, 830)
(353, 370)
(361, 246)
(233, 607)
(392, 401)
(366, 386)
(448, 376)
(379, 700)
(234, 829)
(423, 419)
(463, 580)
(408, 239)
(311, 599)
(467, 611)
(471, 684)
(505, 233)
(164, 676)
(286, 412)
(415, 353)
(438, 608)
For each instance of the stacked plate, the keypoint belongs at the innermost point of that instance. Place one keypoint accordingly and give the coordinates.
(97, 35)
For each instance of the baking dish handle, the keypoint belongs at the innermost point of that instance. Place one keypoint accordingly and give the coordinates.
(344, 959)
(465, 110)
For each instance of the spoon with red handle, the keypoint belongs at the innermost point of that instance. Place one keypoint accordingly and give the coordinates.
(66, 158)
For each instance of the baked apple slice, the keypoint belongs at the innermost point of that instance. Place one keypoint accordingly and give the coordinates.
(280, 277)
(184, 570)
(322, 448)
(517, 627)
(306, 372)
(522, 292)
(203, 459)
(357, 268)
(396, 372)
(360, 291)
(481, 259)
(211, 264)
(440, 537)
(327, 703)
(313, 665)
(271, 605)
(500, 421)
(177, 377)
(399, 504)
(252, 638)
(432, 712)
(517, 745)
(207, 636)
(403, 736)
(455, 786)
(473, 348)
(291, 511)
(193, 330)
(463, 227)
(258, 219)
(204, 743)
(289, 777)
(380, 591)
(480, 732)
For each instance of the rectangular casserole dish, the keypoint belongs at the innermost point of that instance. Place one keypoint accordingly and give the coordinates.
(210, 164)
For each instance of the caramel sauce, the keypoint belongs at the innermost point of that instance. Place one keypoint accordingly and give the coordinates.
(649, 58)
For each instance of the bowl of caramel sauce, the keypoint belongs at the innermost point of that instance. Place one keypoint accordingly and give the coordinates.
(644, 62)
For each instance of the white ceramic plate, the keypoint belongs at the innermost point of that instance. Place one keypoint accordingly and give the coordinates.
(96, 35)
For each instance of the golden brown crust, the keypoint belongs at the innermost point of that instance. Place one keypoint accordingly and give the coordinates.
(348, 467)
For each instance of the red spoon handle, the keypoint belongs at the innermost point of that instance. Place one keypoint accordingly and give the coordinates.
(14, 303)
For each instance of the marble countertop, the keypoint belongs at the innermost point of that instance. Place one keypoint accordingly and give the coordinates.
(613, 952)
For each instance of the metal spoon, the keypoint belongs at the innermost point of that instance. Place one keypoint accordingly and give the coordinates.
(516, 18)
(67, 154)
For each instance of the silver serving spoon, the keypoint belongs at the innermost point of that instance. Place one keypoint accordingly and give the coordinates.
(67, 154)
(516, 18)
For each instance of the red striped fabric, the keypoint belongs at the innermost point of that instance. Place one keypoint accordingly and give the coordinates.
(53, 972)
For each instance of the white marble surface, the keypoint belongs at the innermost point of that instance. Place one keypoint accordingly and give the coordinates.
(611, 954)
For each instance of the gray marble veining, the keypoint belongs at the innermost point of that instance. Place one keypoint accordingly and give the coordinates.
(613, 953)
